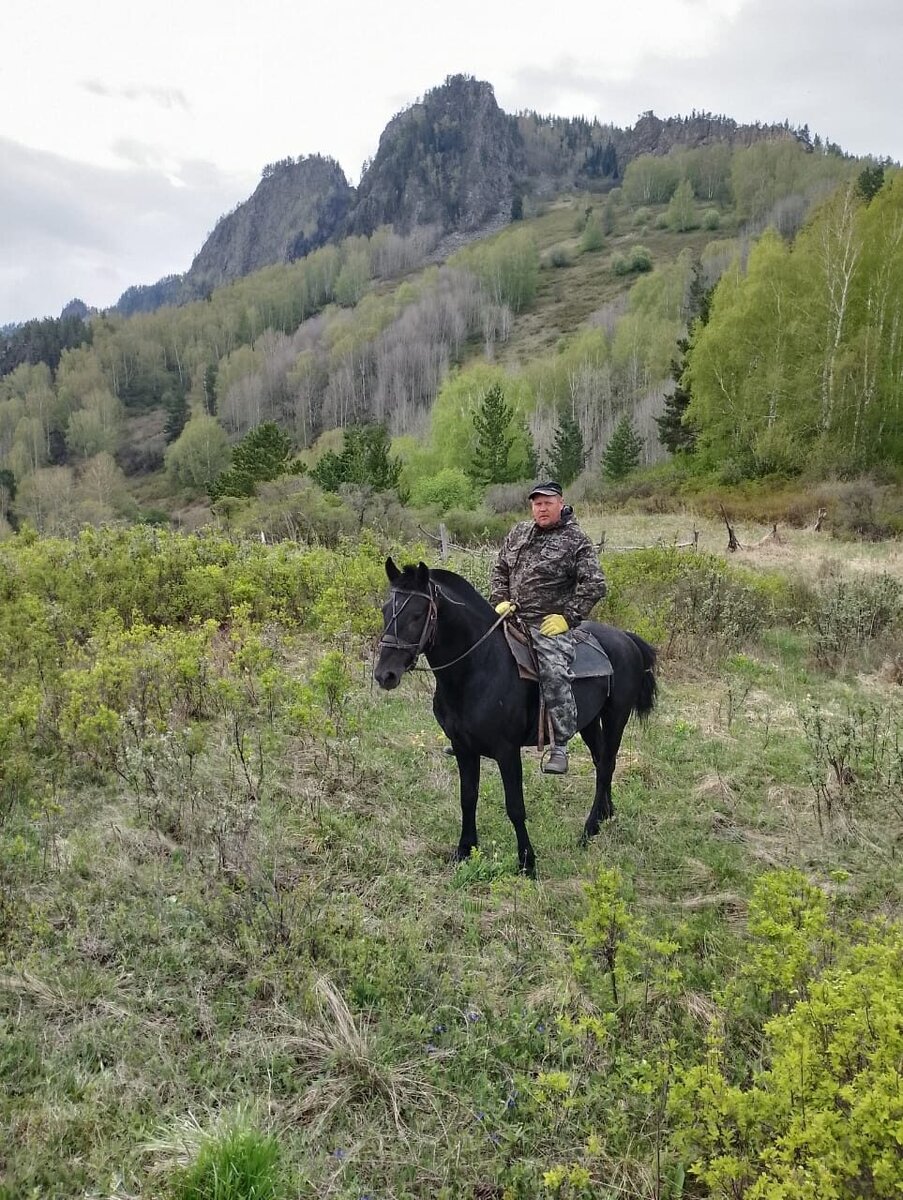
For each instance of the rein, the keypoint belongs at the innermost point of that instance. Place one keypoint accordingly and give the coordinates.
(428, 633)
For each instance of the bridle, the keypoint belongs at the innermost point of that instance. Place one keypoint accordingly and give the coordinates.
(392, 641)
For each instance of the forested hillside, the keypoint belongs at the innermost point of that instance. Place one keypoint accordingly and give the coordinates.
(574, 313)
(237, 959)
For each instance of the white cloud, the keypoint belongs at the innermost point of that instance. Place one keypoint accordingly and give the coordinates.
(154, 118)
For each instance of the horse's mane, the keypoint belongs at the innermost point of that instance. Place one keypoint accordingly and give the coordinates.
(460, 588)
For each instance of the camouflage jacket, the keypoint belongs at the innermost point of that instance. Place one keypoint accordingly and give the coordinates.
(546, 571)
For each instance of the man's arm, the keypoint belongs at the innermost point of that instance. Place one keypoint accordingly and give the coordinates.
(589, 585)
(499, 580)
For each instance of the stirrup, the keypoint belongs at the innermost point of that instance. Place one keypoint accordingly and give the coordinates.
(557, 762)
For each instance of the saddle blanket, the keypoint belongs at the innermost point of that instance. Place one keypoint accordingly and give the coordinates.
(590, 660)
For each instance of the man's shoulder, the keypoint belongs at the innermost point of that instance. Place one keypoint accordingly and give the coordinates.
(572, 530)
(519, 533)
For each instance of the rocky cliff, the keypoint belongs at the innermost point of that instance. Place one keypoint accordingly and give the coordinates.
(452, 159)
(297, 206)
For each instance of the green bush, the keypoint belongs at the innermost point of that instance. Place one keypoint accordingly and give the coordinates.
(711, 219)
(470, 527)
(592, 238)
(690, 604)
(847, 615)
(560, 256)
(821, 1119)
(638, 259)
(450, 488)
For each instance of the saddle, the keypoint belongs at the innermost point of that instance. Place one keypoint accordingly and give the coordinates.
(590, 660)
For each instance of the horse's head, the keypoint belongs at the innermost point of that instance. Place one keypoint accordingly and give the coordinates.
(409, 622)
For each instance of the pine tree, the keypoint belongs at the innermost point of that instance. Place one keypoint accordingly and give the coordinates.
(673, 434)
(365, 461)
(568, 452)
(264, 454)
(176, 408)
(623, 451)
(492, 422)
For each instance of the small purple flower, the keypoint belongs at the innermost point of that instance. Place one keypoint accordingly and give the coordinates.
(431, 1049)
(511, 1101)
(340, 1153)
(472, 1016)
(494, 1138)
(540, 1028)
(480, 1116)
(438, 1029)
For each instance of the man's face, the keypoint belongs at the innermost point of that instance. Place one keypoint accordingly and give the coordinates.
(547, 510)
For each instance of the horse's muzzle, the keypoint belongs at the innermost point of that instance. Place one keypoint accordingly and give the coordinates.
(387, 677)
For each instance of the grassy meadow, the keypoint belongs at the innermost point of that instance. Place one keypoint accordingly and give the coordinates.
(236, 960)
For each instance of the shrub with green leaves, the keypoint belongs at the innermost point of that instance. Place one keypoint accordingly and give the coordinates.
(848, 615)
(688, 603)
(820, 1119)
(450, 488)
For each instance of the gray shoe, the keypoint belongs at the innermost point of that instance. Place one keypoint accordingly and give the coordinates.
(557, 762)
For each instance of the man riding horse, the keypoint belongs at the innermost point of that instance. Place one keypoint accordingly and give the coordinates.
(548, 572)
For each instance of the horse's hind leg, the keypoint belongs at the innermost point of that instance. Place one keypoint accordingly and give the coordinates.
(512, 774)
(601, 808)
(604, 741)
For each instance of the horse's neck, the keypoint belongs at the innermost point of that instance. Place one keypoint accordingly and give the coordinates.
(459, 631)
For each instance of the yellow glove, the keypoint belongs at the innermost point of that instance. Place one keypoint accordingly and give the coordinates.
(553, 624)
(504, 607)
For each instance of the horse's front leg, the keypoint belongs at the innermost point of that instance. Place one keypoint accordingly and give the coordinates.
(469, 772)
(513, 782)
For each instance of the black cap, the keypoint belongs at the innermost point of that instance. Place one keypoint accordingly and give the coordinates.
(549, 488)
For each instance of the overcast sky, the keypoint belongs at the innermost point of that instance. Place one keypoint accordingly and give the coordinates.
(127, 129)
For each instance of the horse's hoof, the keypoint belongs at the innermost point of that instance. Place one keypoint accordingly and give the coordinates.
(528, 867)
(461, 853)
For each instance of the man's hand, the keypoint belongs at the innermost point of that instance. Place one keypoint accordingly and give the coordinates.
(553, 624)
(504, 607)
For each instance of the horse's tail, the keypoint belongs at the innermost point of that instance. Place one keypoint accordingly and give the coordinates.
(645, 701)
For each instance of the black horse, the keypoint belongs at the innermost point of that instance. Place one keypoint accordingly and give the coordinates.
(483, 705)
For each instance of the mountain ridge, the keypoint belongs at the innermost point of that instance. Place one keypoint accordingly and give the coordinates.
(452, 159)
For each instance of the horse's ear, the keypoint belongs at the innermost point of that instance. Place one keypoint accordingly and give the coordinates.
(391, 570)
(423, 574)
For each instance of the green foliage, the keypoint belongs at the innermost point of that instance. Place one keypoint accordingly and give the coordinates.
(692, 604)
(240, 1164)
(492, 422)
(199, 454)
(592, 238)
(711, 219)
(637, 260)
(848, 615)
(870, 181)
(624, 450)
(365, 459)
(507, 267)
(651, 179)
(681, 213)
(560, 256)
(568, 453)
(449, 488)
(821, 1119)
(812, 388)
(263, 454)
(674, 432)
